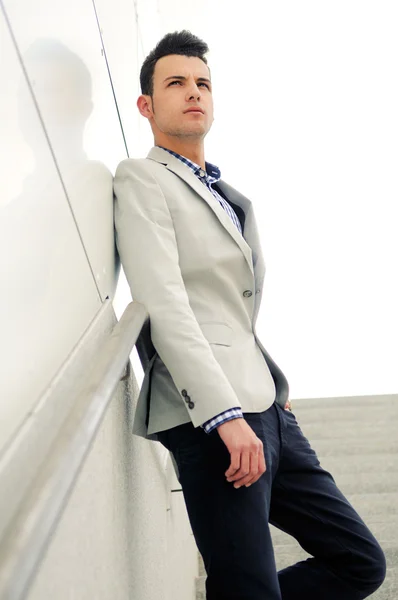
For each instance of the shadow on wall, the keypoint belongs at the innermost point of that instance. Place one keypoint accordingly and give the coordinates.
(62, 86)
(49, 242)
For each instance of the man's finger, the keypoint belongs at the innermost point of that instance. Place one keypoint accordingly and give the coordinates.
(253, 474)
(261, 462)
(244, 467)
(235, 463)
(258, 467)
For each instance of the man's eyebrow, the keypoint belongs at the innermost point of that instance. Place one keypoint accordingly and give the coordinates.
(183, 78)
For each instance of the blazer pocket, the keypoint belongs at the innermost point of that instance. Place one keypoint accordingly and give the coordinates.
(217, 333)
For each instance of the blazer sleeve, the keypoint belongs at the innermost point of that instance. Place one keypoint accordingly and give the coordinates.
(147, 247)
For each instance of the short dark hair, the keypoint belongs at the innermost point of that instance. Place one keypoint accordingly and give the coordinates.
(179, 42)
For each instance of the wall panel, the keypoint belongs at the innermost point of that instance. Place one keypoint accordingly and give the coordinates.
(60, 46)
(48, 294)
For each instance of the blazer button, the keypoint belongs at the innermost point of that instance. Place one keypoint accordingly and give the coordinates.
(247, 293)
(191, 404)
(184, 393)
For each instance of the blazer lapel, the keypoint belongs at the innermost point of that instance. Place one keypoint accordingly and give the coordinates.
(250, 231)
(176, 166)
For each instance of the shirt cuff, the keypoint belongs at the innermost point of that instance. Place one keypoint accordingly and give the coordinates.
(227, 415)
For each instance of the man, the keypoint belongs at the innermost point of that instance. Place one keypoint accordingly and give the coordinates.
(211, 393)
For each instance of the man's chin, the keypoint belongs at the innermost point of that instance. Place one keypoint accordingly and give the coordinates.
(198, 132)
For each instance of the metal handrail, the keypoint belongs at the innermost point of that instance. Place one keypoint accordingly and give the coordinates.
(28, 535)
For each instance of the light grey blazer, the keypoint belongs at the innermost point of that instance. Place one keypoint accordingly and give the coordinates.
(201, 282)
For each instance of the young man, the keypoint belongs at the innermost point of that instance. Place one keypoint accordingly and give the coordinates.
(211, 394)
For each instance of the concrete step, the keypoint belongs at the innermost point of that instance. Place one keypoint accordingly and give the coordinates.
(350, 447)
(200, 583)
(319, 412)
(346, 402)
(385, 531)
(375, 506)
(348, 430)
(354, 464)
(367, 483)
(388, 591)
(201, 566)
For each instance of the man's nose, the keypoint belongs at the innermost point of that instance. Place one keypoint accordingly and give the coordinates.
(194, 92)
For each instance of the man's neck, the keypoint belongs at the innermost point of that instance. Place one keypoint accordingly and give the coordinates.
(194, 152)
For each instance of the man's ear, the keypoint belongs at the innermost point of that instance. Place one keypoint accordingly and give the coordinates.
(144, 104)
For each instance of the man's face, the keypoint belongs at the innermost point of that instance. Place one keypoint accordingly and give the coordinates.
(173, 96)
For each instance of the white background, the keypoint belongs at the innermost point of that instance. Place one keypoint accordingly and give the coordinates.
(306, 126)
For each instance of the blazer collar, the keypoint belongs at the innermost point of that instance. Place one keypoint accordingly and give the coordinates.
(173, 164)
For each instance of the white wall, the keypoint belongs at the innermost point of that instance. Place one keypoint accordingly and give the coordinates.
(68, 118)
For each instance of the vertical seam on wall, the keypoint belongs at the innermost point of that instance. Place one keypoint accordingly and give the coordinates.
(110, 78)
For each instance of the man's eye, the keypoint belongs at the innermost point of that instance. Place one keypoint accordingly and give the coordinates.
(201, 83)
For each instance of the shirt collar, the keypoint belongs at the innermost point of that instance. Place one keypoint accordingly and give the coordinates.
(213, 173)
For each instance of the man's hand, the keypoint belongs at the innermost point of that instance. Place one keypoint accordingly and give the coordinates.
(246, 450)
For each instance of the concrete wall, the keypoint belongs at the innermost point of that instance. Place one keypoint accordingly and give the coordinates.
(124, 534)
(68, 118)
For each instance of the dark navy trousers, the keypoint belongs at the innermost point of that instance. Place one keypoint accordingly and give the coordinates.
(295, 494)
